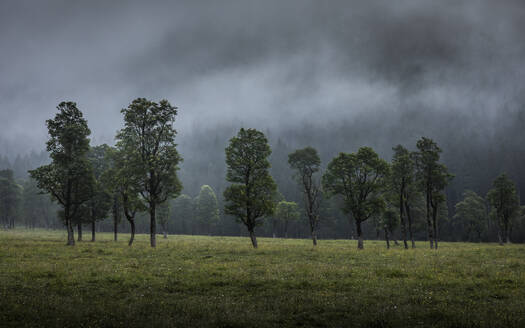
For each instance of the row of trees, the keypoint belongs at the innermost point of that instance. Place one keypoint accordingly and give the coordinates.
(140, 174)
(368, 187)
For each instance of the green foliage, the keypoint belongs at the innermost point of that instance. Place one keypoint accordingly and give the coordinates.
(403, 167)
(402, 177)
(287, 211)
(250, 196)
(101, 201)
(389, 219)
(37, 209)
(360, 179)
(163, 215)
(10, 197)
(504, 198)
(306, 162)
(120, 180)
(147, 146)
(183, 211)
(69, 178)
(432, 178)
(200, 281)
(148, 140)
(68, 133)
(206, 206)
(183, 205)
(471, 212)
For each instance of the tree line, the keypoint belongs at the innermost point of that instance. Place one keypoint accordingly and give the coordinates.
(140, 175)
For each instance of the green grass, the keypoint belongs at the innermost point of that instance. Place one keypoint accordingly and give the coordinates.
(223, 282)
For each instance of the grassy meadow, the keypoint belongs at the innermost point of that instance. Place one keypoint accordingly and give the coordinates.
(223, 282)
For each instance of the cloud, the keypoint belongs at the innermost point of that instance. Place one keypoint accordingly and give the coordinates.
(273, 63)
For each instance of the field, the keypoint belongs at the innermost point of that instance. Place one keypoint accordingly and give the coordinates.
(223, 282)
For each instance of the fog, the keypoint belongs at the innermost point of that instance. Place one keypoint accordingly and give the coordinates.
(337, 74)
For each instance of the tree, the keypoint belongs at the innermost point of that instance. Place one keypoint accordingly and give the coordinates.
(388, 222)
(287, 212)
(402, 179)
(116, 213)
(37, 207)
(68, 178)
(411, 199)
(164, 215)
(124, 185)
(504, 198)
(250, 195)
(274, 220)
(433, 177)
(98, 206)
(472, 213)
(206, 207)
(306, 163)
(10, 195)
(148, 139)
(183, 208)
(360, 179)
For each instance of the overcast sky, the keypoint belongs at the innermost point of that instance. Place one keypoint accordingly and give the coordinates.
(258, 62)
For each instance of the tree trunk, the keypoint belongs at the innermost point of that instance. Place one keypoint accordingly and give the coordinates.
(387, 240)
(79, 228)
(409, 217)
(429, 223)
(434, 225)
(402, 220)
(115, 228)
(506, 232)
(93, 231)
(152, 225)
(70, 233)
(165, 234)
(253, 238)
(286, 229)
(132, 223)
(500, 235)
(359, 234)
(314, 237)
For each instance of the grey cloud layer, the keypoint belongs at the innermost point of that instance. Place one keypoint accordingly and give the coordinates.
(268, 62)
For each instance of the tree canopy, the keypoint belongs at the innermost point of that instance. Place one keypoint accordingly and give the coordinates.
(504, 198)
(432, 177)
(69, 177)
(206, 207)
(148, 139)
(306, 162)
(250, 196)
(472, 213)
(359, 178)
